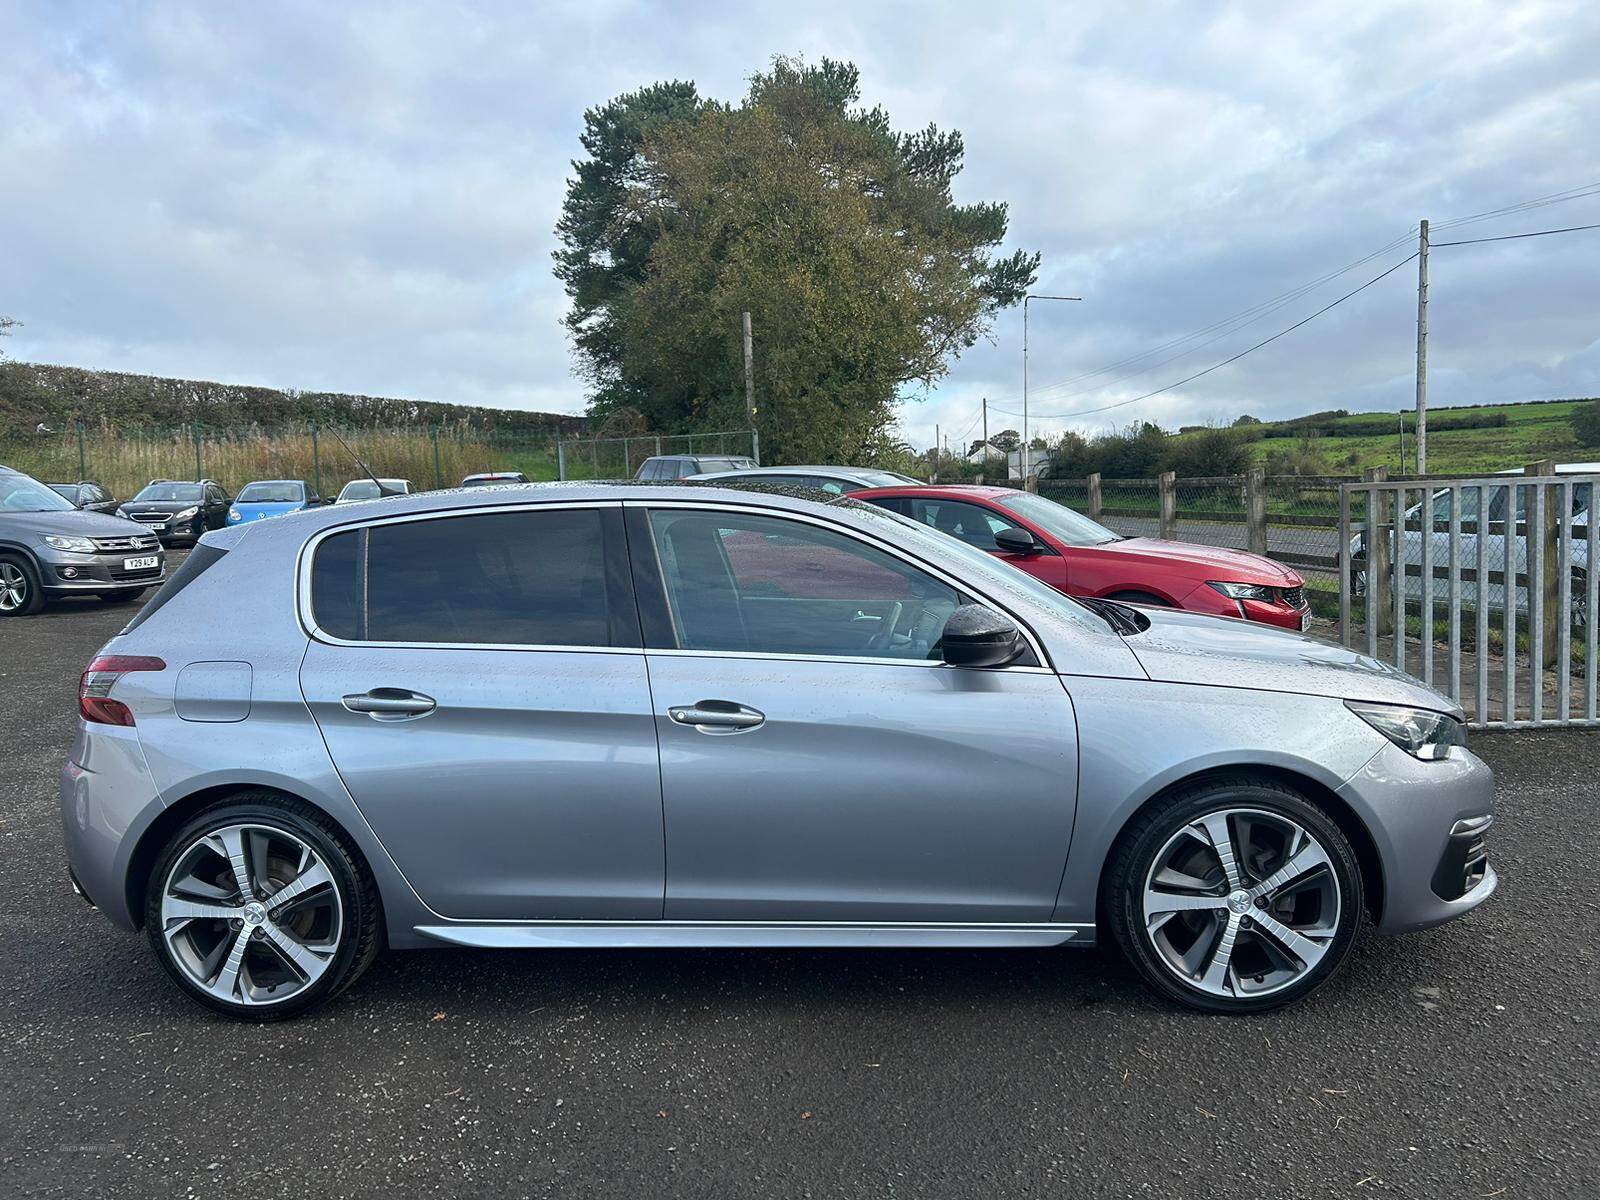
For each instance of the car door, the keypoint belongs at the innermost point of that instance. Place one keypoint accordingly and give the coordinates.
(819, 763)
(479, 682)
(215, 504)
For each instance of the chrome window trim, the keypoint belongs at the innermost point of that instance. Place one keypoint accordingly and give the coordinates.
(307, 617)
(876, 543)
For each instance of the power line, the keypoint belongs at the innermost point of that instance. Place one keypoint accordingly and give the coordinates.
(1511, 237)
(1577, 193)
(1235, 358)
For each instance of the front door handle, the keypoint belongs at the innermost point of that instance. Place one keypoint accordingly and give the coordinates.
(390, 704)
(716, 716)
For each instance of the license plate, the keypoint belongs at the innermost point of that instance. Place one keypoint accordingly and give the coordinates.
(1305, 620)
(140, 564)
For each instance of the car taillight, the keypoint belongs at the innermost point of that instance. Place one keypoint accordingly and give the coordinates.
(94, 702)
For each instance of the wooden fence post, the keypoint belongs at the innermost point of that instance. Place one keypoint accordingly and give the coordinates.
(1380, 597)
(1255, 509)
(1167, 486)
(1094, 496)
(1549, 581)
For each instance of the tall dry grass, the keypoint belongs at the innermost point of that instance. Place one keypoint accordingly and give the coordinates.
(125, 460)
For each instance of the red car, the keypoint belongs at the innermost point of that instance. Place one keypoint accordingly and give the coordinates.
(1077, 556)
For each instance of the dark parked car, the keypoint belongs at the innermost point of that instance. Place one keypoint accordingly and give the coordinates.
(50, 550)
(681, 466)
(490, 478)
(87, 495)
(178, 511)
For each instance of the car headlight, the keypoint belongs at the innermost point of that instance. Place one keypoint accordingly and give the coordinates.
(1245, 591)
(185, 514)
(1420, 732)
(77, 545)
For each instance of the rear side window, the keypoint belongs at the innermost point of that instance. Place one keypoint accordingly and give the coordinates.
(517, 578)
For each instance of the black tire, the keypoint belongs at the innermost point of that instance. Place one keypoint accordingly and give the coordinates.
(1134, 855)
(362, 934)
(121, 597)
(32, 594)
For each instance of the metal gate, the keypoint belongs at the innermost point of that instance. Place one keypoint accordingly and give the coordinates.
(1480, 587)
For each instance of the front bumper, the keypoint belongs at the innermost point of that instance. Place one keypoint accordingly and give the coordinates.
(64, 572)
(1426, 823)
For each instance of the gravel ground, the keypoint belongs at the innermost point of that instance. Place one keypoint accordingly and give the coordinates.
(1461, 1062)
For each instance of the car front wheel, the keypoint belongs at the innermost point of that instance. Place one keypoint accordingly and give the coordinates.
(260, 909)
(1234, 896)
(19, 588)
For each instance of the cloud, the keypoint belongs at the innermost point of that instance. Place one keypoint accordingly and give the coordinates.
(362, 196)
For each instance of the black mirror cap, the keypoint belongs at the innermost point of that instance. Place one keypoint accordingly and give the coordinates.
(1014, 540)
(976, 636)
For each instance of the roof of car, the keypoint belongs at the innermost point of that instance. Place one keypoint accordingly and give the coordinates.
(988, 491)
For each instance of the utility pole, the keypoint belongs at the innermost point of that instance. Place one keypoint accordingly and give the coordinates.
(1422, 350)
(986, 435)
(749, 376)
(936, 436)
(1025, 300)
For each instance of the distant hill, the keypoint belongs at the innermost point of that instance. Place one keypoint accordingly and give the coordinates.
(1461, 439)
(35, 393)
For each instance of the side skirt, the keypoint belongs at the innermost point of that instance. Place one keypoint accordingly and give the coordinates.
(510, 935)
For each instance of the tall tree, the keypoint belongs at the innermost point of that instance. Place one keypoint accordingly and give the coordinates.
(840, 236)
(605, 248)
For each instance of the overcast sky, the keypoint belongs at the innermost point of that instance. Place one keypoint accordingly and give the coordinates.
(360, 197)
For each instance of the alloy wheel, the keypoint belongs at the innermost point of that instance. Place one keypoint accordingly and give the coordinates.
(250, 913)
(1241, 902)
(13, 588)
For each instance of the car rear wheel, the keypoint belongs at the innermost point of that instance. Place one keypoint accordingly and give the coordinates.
(1234, 896)
(260, 909)
(20, 594)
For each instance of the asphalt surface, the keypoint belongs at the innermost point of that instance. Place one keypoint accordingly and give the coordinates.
(1460, 1062)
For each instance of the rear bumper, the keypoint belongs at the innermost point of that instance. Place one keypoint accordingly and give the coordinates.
(1425, 821)
(108, 799)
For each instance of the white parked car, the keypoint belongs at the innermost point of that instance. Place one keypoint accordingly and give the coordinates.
(1412, 539)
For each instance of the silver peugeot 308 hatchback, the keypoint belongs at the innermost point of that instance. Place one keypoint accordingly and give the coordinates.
(622, 715)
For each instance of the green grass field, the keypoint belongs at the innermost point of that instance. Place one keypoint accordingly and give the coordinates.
(1531, 432)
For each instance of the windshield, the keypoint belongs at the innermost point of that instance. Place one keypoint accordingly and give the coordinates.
(271, 493)
(19, 493)
(69, 490)
(1059, 521)
(882, 479)
(181, 493)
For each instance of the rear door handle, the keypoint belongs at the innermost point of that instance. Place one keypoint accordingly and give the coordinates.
(390, 704)
(716, 716)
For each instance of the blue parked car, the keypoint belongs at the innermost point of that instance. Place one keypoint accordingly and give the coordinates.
(271, 498)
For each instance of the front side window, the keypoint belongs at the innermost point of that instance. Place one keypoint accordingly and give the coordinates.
(513, 578)
(969, 523)
(765, 585)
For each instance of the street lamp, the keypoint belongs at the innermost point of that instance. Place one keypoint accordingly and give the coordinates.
(1025, 447)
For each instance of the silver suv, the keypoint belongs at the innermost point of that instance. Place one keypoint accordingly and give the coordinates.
(51, 549)
(625, 715)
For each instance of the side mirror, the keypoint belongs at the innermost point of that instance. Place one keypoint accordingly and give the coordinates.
(1013, 540)
(975, 636)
